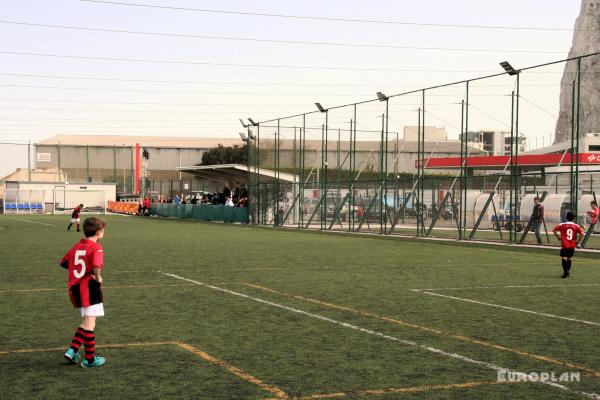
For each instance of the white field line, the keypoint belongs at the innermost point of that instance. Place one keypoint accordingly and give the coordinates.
(509, 308)
(383, 335)
(505, 287)
(31, 222)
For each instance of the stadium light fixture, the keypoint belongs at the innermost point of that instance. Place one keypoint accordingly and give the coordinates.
(381, 96)
(243, 136)
(252, 122)
(509, 68)
(243, 124)
(320, 107)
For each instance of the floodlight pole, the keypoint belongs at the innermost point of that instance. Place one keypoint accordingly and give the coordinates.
(517, 181)
(324, 162)
(387, 124)
(259, 200)
(382, 176)
(466, 175)
(302, 166)
(511, 221)
(253, 200)
(325, 177)
(514, 152)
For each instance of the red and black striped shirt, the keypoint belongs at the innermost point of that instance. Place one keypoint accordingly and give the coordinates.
(81, 260)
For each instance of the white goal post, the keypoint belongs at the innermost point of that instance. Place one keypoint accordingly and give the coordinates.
(65, 200)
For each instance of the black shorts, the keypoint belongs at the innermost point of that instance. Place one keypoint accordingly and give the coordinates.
(567, 253)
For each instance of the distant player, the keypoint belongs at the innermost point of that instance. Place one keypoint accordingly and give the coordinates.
(85, 261)
(569, 234)
(75, 218)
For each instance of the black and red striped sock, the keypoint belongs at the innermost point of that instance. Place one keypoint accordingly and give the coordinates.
(89, 341)
(77, 340)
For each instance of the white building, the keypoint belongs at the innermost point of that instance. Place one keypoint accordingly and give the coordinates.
(495, 142)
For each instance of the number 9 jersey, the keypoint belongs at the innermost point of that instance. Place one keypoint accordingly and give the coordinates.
(568, 234)
(81, 260)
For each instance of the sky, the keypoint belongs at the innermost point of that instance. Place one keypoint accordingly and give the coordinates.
(200, 86)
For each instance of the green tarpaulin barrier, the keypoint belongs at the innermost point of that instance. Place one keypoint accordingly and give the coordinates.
(201, 212)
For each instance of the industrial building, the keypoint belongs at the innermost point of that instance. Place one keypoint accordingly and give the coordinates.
(119, 159)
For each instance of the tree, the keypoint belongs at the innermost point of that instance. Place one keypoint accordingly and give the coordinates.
(225, 155)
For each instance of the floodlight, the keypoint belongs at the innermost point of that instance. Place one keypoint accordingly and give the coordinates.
(509, 68)
(252, 122)
(320, 107)
(381, 96)
(243, 124)
(243, 136)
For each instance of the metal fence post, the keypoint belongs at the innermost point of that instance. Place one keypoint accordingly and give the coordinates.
(463, 138)
(577, 133)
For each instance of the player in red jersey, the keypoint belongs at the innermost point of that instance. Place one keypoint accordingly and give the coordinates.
(75, 218)
(569, 234)
(85, 261)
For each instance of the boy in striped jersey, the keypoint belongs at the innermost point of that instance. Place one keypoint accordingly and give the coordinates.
(84, 262)
(75, 218)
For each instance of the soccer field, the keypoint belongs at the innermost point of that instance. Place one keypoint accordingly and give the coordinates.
(220, 311)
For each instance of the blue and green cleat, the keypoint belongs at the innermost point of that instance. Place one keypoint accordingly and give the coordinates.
(98, 362)
(72, 356)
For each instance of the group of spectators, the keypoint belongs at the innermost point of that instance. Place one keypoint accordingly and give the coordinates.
(236, 198)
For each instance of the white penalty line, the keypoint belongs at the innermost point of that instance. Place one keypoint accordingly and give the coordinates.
(509, 308)
(504, 287)
(383, 335)
(31, 222)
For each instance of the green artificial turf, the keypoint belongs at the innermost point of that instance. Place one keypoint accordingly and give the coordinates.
(303, 312)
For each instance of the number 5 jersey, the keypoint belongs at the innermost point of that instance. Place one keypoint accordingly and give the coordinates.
(81, 260)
